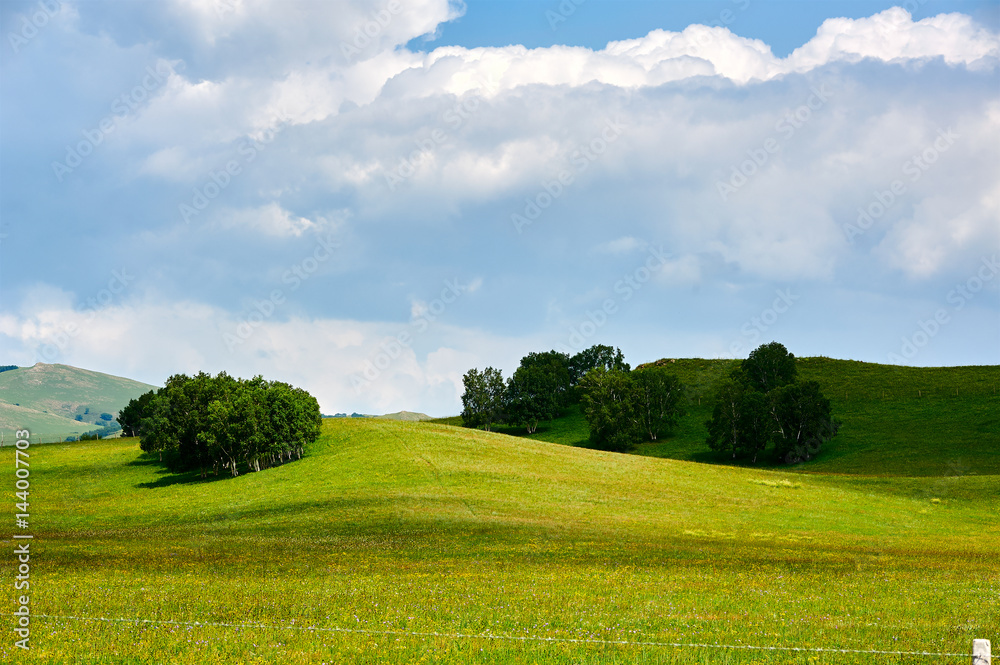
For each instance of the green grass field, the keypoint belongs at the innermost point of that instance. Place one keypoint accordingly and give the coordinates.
(396, 542)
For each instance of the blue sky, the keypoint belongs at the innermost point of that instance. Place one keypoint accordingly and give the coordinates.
(367, 199)
(782, 24)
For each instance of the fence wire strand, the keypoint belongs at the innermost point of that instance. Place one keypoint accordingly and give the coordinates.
(516, 638)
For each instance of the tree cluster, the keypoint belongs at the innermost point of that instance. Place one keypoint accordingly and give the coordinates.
(624, 407)
(537, 391)
(621, 406)
(540, 388)
(762, 404)
(221, 422)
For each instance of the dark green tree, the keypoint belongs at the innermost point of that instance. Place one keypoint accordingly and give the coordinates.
(157, 431)
(598, 355)
(609, 405)
(219, 421)
(657, 398)
(534, 394)
(802, 421)
(293, 421)
(554, 364)
(190, 398)
(282, 412)
(251, 422)
(308, 423)
(222, 436)
(769, 366)
(130, 417)
(762, 403)
(483, 399)
(740, 426)
(538, 390)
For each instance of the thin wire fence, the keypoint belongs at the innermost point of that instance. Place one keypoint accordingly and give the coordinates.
(512, 638)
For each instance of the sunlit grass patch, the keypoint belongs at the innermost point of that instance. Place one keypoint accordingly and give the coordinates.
(774, 483)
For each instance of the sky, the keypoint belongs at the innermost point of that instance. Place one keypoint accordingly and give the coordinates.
(367, 199)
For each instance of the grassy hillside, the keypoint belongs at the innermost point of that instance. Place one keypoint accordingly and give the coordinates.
(396, 542)
(904, 421)
(46, 399)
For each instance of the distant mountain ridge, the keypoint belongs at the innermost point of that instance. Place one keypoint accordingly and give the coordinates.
(407, 416)
(48, 399)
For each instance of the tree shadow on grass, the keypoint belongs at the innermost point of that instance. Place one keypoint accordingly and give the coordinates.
(168, 471)
(171, 475)
(184, 477)
(146, 460)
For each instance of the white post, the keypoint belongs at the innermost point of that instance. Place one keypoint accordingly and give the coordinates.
(981, 652)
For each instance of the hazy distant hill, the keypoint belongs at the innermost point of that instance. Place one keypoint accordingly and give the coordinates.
(46, 399)
(408, 416)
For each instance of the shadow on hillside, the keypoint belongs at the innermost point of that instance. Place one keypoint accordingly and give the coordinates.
(170, 476)
(146, 460)
(185, 477)
(711, 457)
(765, 462)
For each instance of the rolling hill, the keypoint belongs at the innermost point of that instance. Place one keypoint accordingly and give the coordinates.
(47, 399)
(399, 542)
(901, 421)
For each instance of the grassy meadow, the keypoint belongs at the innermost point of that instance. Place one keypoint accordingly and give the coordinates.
(399, 542)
